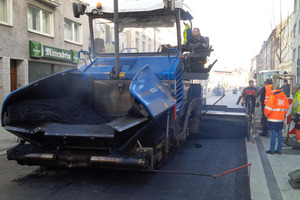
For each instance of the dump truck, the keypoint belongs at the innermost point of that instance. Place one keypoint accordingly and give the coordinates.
(132, 101)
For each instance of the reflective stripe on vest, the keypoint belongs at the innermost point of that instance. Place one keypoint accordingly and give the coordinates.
(267, 98)
(275, 120)
(185, 39)
(267, 107)
(268, 92)
(277, 109)
(280, 110)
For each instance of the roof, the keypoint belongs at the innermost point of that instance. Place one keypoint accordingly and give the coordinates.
(135, 6)
(129, 5)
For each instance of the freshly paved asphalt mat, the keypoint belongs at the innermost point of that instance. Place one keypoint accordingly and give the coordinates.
(212, 156)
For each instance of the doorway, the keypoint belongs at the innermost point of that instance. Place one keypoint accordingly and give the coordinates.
(13, 75)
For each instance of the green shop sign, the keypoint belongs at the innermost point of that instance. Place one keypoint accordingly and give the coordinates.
(35, 50)
(75, 58)
(56, 53)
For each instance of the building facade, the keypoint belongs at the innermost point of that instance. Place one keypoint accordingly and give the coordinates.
(296, 41)
(278, 50)
(37, 39)
(265, 58)
(283, 45)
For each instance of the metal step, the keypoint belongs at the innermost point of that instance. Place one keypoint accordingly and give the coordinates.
(66, 130)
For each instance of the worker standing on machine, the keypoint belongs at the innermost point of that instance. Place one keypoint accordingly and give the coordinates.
(275, 110)
(296, 113)
(265, 94)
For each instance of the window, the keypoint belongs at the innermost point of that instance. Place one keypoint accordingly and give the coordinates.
(144, 43)
(298, 52)
(294, 31)
(140, 39)
(137, 40)
(294, 55)
(6, 12)
(149, 45)
(39, 21)
(72, 31)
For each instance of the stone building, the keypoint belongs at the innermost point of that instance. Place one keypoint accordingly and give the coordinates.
(37, 39)
(296, 41)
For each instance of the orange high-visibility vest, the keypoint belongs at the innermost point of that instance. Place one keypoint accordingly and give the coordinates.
(276, 107)
(268, 93)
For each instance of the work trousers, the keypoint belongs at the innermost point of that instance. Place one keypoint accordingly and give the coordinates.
(264, 121)
(273, 140)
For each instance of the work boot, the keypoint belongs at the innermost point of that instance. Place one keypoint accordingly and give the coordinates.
(278, 152)
(270, 152)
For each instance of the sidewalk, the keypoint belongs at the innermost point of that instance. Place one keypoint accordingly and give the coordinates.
(269, 173)
(7, 140)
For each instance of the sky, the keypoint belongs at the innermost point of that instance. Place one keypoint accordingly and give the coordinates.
(237, 28)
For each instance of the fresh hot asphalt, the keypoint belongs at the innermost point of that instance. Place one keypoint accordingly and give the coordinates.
(205, 156)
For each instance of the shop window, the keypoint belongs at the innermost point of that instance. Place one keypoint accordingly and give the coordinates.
(39, 20)
(6, 12)
(39, 70)
(72, 31)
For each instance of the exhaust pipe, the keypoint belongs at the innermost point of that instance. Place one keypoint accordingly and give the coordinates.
(116, 161)
(39, 156)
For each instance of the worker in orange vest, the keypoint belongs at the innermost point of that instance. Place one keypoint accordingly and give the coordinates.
(268, 90)
(264, 93)
(275, 110)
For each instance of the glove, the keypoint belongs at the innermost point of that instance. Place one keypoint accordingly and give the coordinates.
(294, 120)
(257, 104)
(243, 104)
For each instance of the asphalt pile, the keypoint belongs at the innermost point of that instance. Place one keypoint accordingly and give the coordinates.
(66, 110)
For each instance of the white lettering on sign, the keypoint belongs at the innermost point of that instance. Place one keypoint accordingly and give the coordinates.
(36, 51)
(54, 53)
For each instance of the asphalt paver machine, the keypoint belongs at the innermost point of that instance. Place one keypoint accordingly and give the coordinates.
(129, 104)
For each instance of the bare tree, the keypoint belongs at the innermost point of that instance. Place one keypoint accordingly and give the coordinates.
(282, 39)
